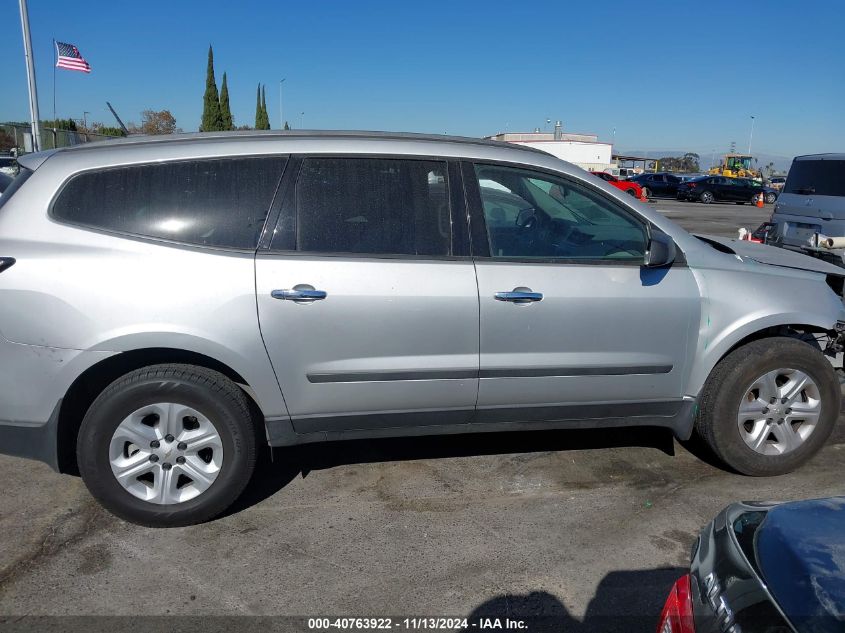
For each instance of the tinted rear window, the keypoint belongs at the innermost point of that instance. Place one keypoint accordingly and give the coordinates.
(220, 202)
(816, 177)
(373, 205)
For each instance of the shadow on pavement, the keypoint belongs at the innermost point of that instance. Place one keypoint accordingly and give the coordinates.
(625, 601)
(276, 468)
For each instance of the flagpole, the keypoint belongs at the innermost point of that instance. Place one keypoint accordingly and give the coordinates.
(55, 61)
(30, 76)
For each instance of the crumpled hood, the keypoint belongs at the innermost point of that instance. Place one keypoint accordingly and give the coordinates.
(773, 256)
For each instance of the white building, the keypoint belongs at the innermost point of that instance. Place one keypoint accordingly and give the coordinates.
(584, 150)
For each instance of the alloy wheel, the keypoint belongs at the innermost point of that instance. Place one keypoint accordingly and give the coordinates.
(779, 411)
(166, 453)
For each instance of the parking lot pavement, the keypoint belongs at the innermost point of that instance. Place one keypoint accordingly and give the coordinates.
(717, 218)
(580, 525)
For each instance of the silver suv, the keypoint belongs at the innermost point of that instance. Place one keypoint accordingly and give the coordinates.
(168, 305)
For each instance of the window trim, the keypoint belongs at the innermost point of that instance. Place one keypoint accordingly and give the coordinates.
(52, 217)
(459, 247)
(480, 243)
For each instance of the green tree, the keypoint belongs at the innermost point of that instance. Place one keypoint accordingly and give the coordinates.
(211, 119)
(265, 118)
(287, 127)
(225, 112)
(60, 124)
(259, 115)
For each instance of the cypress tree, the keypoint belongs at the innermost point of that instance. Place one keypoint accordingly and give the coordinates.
(225, 112)
(211, 121)
(265, 118)
(258, 113)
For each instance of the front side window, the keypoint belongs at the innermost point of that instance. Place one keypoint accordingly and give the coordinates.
(535, 216)
(220, 202)
(375, 206)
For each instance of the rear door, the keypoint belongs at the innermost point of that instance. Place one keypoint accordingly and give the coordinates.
(572, 327)
(367, 297)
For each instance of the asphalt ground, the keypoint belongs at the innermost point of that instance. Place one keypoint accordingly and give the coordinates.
(565, 531)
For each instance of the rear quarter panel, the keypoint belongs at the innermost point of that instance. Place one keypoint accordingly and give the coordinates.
(79, 289)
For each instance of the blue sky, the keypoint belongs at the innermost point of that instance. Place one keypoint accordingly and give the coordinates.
(669, 75)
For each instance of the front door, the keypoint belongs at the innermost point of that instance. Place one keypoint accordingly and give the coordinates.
(573, 327)
(367, 309)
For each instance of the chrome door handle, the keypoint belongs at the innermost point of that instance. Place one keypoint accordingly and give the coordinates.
(518, 295)
(302, 295)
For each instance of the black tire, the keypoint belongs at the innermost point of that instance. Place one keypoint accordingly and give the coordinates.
(631, 192)
(207, 391)
(716, 422)
(706, 197)
(771, 198)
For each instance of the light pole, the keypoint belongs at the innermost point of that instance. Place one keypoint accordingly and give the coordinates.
(751, 135)
(30, 77)
(301, 120)
(85, 120)
(281, 118)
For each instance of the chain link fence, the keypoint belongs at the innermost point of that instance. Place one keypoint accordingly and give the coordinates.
(21, 135)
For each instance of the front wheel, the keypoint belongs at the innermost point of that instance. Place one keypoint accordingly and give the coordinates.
(706, 197)
(168, 445)
(771, 197)
(769, 406)
(631, 192)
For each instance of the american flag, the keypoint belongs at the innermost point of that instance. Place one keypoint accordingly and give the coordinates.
(68, 57)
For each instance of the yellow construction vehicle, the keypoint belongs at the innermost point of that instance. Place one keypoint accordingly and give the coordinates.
(737, 166)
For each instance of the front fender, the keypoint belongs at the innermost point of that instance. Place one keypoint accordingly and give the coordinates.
(738, 307)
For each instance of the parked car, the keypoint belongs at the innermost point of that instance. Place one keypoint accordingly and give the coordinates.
(777, 182)
(659, 184)
(770, 195)
(812, 201)
(764, 567)
(170, 304)
(8, 165)
(709, 189)
(631, 188)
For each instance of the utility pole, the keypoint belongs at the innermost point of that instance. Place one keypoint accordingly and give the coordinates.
(751, 135)
(30, 76)
(281, 118)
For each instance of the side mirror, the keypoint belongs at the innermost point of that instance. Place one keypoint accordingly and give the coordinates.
(661, 250)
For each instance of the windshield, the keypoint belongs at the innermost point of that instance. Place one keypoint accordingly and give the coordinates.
(739, 162)
(816, 177)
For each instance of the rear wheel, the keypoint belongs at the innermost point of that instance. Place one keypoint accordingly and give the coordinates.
(168, 445)
(706, 197)
(769, 406)
(771, 197)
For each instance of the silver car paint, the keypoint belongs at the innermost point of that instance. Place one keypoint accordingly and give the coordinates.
(380, 316)
(80, 295)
